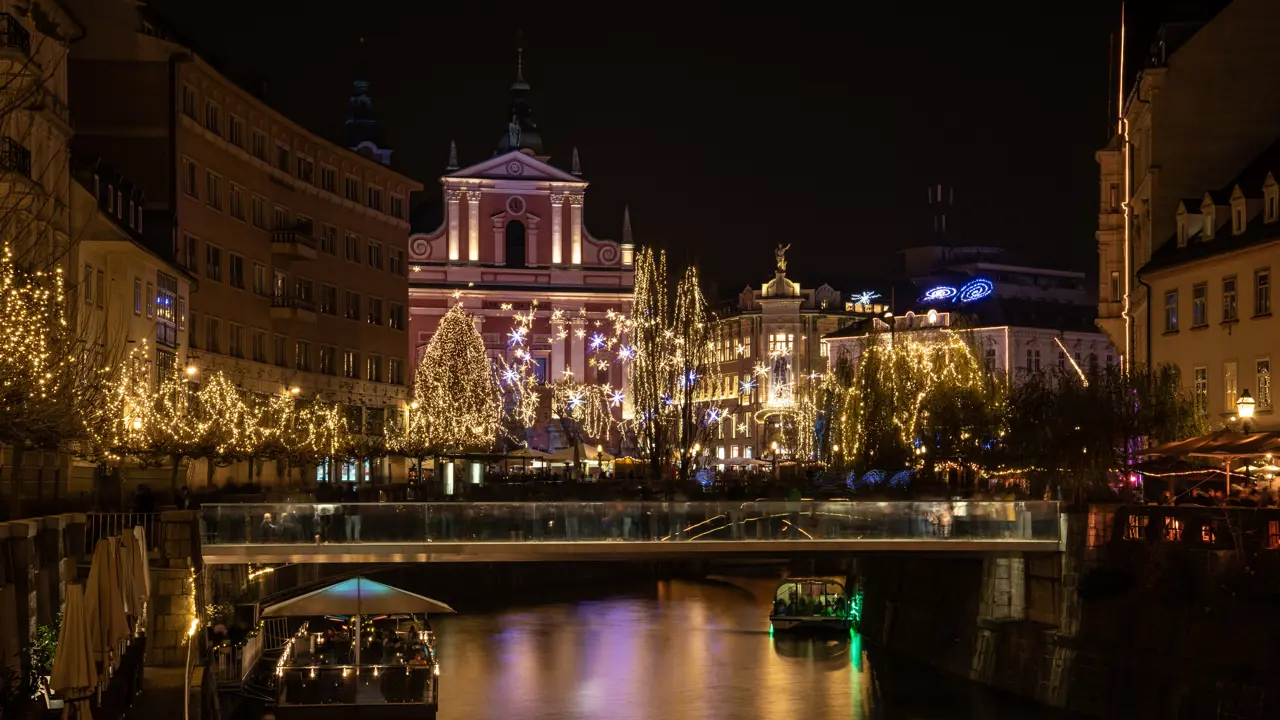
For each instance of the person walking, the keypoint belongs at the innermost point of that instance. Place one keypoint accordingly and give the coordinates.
(351, 512)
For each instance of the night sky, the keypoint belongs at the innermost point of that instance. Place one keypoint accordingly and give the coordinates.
(728, 135)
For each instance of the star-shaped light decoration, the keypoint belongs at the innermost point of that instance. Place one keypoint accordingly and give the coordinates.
(515, 337)
(760, 369)
(626, 352)
(597, 341)
(747, 386)
(509, 376)
(616, 398)
(580, 333)
(576, 399)
(742, 427)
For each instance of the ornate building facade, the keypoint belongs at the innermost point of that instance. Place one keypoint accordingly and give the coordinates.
(514, 239)
(767, 342)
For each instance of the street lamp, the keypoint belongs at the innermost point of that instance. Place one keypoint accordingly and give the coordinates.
(1244, 408)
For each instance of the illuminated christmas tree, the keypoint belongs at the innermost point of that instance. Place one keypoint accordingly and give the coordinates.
(454, 386)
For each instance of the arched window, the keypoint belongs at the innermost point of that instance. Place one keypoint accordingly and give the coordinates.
(515, 244)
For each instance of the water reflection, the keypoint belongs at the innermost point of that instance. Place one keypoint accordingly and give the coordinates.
(679, 649)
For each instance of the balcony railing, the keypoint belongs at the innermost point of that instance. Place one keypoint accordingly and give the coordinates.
(296, 303)
(293, 237)
(13, 35)
(14, 157)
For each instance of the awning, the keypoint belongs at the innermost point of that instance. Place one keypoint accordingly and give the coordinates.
(357, 596)
(1220, 444)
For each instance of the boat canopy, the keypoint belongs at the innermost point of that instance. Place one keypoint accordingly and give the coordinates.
(357, 596)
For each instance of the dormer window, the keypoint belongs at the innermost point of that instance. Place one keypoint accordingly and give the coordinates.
(1269, 200)
(1237, 218)
(1207, 234)
(1182, 231)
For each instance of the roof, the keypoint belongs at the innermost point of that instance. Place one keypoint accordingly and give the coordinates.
(357, 596)
(1257, 231)
(1001, 312)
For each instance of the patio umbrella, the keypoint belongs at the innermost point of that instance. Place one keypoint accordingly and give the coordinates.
(104, 600)
(74, 675)
(133, 568)
(1226, 445)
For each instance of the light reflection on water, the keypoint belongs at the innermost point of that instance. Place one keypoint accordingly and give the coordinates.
(687, 650)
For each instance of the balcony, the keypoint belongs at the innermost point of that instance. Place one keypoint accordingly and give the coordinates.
(294, 244)
(14, 157)
(53, 108)
(13, 36)
(293, 309)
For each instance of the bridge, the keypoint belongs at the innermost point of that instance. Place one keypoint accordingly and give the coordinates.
(559, 531)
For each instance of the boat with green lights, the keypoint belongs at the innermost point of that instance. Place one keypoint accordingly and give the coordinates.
(814, 604)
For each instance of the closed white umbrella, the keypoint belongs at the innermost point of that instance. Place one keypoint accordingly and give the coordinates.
(133, 567)
(104, 600)
(74, 674)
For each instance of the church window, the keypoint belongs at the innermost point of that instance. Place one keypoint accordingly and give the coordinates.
(515, 244)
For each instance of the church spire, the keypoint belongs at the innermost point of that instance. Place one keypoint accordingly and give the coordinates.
(453, 156)
(521, 132)
(361, 129)
(577, 166)
(626, 225)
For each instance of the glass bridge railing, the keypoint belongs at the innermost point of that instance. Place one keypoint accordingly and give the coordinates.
(638, 522)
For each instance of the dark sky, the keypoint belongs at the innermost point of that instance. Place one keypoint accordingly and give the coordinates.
(727, 135)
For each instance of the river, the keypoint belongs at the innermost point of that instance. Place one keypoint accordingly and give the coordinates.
(678, 649)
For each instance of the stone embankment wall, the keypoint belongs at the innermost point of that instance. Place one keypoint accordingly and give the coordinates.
(1149, 612)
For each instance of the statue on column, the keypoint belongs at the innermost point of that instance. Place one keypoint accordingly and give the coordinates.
(780, 254)
(513, 131)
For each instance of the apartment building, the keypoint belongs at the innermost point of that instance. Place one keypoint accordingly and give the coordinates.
(300, 244)
(1212, 285)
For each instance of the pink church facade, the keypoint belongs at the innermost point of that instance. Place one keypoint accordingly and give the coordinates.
(513, 234)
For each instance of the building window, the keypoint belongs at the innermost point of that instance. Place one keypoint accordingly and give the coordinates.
(235, 201)
(515, 248)
(259, 279)
(189, 178)
(1230, 379)
(373, 368)
(1200, 389)
(351, 243)
(395, 318)
(1237, 219)
(395, 371)
(395, 262)
(302, 355)
(137, 296)
(303, 289)
(375, 311)
(151, 298)
(280, 280)
(375, 198)
(1033, 360)
(329, 239)
(1199, 305)
(235, 340)
(350, 364)
(259, 212)
(182, 311)
(1229, 310)
(259, 148)
(259, 345)
(1171, 311)
(283, 157)
(213, 334)
(282, 219)
(352, 188)
(1262, 291)
(306, 169)
(1271, 206)
(353, 306)
(213, 262)
(1262, 383)
(397, 207)
(235, 127)
(213, 190)
(281, 351)
(824, 349)
(1209, 227)
(193, 336)
(192, 250)
(374, 252)
(235, 270)
(1114, 198)
(212, 118)
(328, 178)
(328, 356)
(990, 359)
(1115, 286)
(328, 300)
(189, 101)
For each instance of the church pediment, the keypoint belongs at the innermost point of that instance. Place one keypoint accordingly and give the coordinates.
(516, 165)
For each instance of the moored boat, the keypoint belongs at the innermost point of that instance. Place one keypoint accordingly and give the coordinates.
(812, 605)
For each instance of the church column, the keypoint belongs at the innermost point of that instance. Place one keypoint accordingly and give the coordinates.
(473, 225)
(557, 348)
(575, 227)
(451, 207)
(557, 225)
(578, 348)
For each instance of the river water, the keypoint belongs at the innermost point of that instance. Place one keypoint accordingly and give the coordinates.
(681, 650)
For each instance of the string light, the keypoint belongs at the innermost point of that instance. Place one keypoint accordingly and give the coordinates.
(459, 406)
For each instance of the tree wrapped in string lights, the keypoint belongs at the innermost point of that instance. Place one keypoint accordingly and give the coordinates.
(653, 375)
(698, 386)
(455, 387)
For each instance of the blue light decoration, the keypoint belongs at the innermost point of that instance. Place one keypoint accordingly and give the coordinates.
(616, 398)
(597, 342)
(713, 416)
(705, 477)
(515, 337)
(509, 376)
(937, 294)
(747, 386)
(871, 479)
(901, 479)
(626, 353)
(975, 290)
